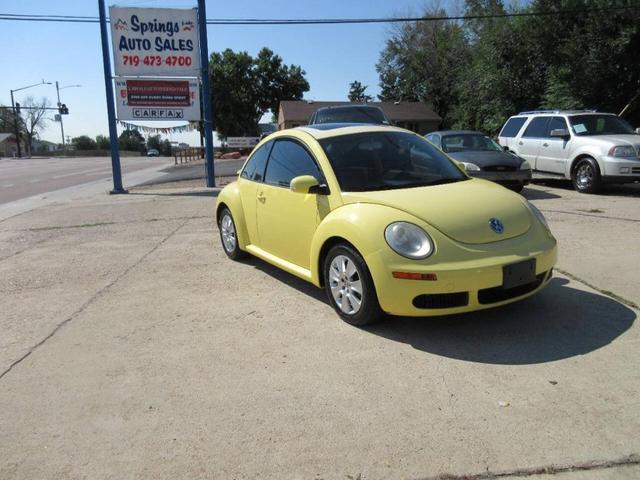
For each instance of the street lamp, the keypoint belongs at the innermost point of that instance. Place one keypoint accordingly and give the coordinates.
(58, 88)
(15, 114)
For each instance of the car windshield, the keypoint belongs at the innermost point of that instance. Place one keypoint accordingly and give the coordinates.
(468, 141)
(584, 125)
(351, 115)
(372, 161)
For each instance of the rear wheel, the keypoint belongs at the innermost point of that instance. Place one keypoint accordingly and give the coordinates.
(349, 286)
(586, 176)
(228, 235)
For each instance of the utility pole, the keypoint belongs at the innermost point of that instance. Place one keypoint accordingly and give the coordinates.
(16, 130)
(58, 88)
(61, 124)
(16, 115)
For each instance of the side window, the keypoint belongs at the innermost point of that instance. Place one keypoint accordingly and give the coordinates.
(254, 169)
(556, 123)
(512, 127)
(537, 128)
(289, 159)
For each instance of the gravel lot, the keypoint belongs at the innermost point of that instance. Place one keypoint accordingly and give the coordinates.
(132, 348)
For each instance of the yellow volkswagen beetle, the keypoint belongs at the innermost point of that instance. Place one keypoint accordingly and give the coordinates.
(385, 222)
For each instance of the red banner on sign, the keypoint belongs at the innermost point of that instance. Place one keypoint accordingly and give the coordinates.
(153, 93)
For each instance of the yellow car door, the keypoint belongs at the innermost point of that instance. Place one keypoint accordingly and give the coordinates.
(248, 182)
(287, 220)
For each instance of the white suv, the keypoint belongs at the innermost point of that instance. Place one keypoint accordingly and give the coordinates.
(588, 147)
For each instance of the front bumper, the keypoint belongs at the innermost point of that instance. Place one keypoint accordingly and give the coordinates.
(507, 178)
(620, 170)
(473, 283)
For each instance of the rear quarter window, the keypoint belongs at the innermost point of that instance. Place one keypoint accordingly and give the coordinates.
(512, 127)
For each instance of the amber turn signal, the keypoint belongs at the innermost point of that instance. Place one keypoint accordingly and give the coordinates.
(415, 276)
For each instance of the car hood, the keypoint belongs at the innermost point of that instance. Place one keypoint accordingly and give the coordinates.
(460, 210)
(487, 158)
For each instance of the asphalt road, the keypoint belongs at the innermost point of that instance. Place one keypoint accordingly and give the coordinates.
(22, 178)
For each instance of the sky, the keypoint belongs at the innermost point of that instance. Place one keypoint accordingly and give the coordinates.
(332, 55)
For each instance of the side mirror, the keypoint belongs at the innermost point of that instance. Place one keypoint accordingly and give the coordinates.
(505, 149)
(638, 131)
(560, 133)
(304, 184)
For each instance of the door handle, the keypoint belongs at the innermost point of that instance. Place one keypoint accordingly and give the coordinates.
(545, 144)
(261, 197)
(520, 143)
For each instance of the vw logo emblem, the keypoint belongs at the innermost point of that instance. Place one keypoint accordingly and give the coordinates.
(496, 225)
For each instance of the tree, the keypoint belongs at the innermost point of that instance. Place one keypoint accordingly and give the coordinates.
(357, 92)
(84, 142)
(131, 140)
(34, 120)
(246, 88)
(165, 148)
(103, 142)
(154, 141)
(422, 62)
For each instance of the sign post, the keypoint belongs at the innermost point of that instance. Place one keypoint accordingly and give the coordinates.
(113, 132)
(206, 95)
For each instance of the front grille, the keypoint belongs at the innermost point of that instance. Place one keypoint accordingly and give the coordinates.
(499, 294)
(499, 168)
(441, 300)
(635, 169)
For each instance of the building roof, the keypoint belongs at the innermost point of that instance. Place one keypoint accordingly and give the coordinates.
(4, 136)
(302, 110)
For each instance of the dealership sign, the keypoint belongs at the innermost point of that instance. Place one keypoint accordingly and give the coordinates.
(242, 142)
(157, 99)
(155, 41)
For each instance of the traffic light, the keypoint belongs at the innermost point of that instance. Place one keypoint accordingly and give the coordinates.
(17, 108)
(63, 110)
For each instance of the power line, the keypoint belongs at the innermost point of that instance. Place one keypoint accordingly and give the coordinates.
(330, 21)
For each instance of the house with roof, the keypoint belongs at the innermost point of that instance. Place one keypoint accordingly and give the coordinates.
(415, 116)
(9, 146)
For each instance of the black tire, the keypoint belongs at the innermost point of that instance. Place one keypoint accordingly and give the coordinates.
(516, 187)
(586, 176)
(369, 310)
(228, 235)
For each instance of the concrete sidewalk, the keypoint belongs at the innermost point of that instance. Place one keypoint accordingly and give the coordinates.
(131, 348)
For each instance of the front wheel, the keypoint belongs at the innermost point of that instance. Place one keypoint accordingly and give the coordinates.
(349, 286)
(228, 235)
(586, 176)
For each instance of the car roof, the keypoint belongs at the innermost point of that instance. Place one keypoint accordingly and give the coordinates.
(561, 112)
(326, 130)
(348, 106)
(444, 133)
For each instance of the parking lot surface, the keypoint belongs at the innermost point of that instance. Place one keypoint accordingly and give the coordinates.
(131, 347)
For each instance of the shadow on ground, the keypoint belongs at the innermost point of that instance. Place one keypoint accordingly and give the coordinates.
(557, 323)
(613, 189)
(197, 193)
(530, 194)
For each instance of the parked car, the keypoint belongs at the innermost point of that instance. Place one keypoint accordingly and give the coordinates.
(385, 222)
(588, 147)
(483, 158)
(356, 113)
(152, 152)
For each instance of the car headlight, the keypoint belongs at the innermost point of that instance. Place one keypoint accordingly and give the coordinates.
(525, 166)
(539, 215)
(408, 240)
(622, 151)
(470, 167)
